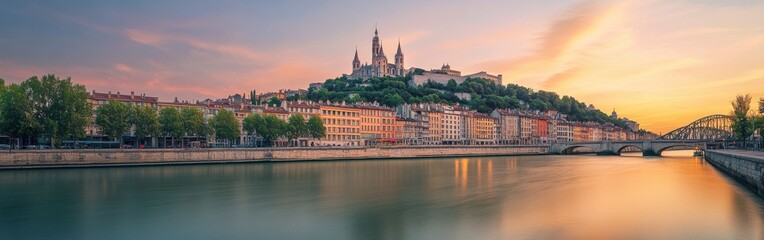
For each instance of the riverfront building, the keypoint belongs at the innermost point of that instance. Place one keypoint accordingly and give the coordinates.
(370, 124)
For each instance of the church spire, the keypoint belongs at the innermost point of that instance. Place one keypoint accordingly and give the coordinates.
(356, 55)
(399, 53)
(381, 51)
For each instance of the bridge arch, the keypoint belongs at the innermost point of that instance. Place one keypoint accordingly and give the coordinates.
(621, 148)
(668, 147)
(569, 149)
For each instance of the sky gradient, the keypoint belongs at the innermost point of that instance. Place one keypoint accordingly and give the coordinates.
(662, 63)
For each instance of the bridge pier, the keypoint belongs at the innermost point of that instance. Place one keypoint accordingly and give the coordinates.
(649, 153)
(607, 153)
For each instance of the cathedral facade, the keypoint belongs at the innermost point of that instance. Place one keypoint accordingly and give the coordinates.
(379, 66)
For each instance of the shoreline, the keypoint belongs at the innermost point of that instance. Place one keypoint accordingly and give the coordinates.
(92, 158)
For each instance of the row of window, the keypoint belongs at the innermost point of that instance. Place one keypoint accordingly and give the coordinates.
(331, 121)
(340, 113)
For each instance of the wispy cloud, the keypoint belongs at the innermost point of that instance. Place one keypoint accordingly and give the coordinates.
(157, 39)
(579, 25)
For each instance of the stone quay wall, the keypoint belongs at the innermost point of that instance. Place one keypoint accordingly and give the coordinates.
(83, 158)
(748, 169)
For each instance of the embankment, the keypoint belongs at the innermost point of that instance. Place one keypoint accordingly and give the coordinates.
(746, 167)
(130, 157)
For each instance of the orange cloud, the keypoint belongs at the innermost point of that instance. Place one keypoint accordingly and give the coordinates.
(576, 27)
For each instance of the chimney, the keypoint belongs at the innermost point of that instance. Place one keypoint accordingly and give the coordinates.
(108, 95)
(132, 95)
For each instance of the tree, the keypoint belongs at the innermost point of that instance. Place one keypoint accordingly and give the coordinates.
(171, 124)
(225, 125)
(251, 123)
(741, 122)
(145, 122)
(274, 101)
(16, 114)
(194, 123)
(60, 106)
(111, 117)
(297, 127)
(316, 127)
(271, 128)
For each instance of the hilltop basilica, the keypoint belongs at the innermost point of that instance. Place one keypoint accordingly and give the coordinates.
(379, 66)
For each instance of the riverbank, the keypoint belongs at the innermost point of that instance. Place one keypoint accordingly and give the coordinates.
(746, 167)
(140, 157)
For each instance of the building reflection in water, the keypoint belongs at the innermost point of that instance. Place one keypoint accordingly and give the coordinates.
(558, 197)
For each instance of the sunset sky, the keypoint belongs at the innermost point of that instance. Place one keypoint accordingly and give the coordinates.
(662, 63)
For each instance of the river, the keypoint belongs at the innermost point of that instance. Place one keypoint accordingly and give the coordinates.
(528, 197)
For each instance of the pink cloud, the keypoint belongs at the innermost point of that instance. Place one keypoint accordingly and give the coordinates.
(158, 39)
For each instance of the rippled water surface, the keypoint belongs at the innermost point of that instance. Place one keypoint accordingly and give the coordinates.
(533, 197)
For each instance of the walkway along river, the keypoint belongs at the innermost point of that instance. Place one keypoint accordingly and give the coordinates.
(524, 197)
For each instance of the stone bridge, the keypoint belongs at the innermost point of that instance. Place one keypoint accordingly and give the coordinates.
(648, 147)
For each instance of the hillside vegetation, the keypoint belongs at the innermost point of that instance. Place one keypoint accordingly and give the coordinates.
(485, 96)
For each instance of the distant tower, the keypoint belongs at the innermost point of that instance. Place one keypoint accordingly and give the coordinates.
(399, 60)
(381, 63)
(614, 114)
(356, 61)
(375, 46)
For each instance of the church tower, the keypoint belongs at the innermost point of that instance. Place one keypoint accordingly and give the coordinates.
(375, 47)
(356, 61)
(381, 63)
(399, 60)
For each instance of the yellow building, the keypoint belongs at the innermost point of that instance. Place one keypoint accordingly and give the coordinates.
(435, 136)
(481, 129)
(377, 124)
(343, 125)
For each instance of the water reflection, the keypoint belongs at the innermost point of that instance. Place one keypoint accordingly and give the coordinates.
(559, 197)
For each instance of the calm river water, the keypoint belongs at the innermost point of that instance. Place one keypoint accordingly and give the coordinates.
(529, 197)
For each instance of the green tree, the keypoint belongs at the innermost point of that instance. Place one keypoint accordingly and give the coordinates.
(194, 123)
(226, 126)
(251, 123)
(145, 121)
(111, 117)
(274, 101)
(297, 127)
(316, 127)
(16, 113)
(271, 128)
(60, 106)
(171, 124)
(741, 113)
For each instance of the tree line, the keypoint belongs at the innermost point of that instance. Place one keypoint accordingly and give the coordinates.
(48, 107)
(271, 128)
(745, 120)
(55, 109)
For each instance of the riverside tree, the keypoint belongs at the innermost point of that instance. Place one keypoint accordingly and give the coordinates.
(111, 117)
(16, 118)
(296, 128)
(171, 124)
(251, 122)
(741, 117)
(59, 106)
(316, 127)
(194, 123)
(271, 128)
(226, 126)
(145, 121)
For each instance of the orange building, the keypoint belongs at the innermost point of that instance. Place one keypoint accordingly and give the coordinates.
(481, 129)
(377, 124)
(343, 124)
(436, 128)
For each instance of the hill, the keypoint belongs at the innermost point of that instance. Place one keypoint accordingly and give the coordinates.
(479, 94)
